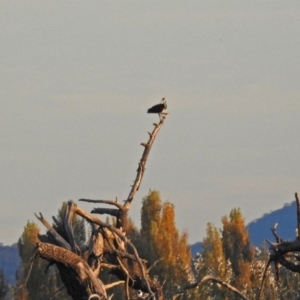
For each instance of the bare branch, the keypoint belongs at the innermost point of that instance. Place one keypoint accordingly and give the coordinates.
(75, 265)
(111, 202)
(113, 284)
(121, 254)
(97, 221)
(57, 291)
(154, 264)
(142, 163)
(68, 228)
(109, 211)
(58, 239)
(95, 249)
(289, 265)
(287, 246)
(298, 216)
(213, 279)
(264, 278)
(32, 259)
(276, 235)
(273, 245)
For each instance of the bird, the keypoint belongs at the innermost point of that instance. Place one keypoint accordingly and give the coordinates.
(158, 108)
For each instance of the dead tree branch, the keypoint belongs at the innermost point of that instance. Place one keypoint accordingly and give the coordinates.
(213, 279)
(282, 251)
(87, 283)
(111, 202)
(276, 235)
(264, 278)
(122, 212)
(298, 216)
(55, 236)
(80, 265)
(120, 234)
(142, 163)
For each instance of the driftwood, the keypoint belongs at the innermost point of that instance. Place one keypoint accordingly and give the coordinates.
(108, 246)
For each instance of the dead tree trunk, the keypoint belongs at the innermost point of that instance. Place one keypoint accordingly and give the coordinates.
(80, 267)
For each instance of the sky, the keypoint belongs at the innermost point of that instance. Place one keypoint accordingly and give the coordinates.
(77, 78)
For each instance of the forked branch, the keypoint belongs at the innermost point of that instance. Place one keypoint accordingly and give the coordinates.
(122, 212)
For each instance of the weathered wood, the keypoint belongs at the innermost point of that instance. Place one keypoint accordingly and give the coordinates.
(95, 249)
(122, 236)
(111, 202)
(79, 266)
(276, 235)
(142, 164)
(56, 237)
(109, 211)
(70, 210)
(77, 276)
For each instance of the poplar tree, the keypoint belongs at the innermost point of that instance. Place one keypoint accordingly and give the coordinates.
(212, 262)
(237, 248)
(163, 244)
(150, 219)
(213, 255)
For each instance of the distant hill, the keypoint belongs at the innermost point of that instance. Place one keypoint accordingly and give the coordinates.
(196, 248)
(259, 229)
(9, 261)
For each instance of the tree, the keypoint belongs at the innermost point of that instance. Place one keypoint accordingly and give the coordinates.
(164, 248)
(150, 220)
(38, 285)
(212, 261)
(109, 250)
(237, 248)
(3, 286)
(242, 268)
(108, 246)
(213, 254)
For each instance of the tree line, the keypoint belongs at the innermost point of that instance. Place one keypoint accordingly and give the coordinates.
(83, 257)
(226, 254)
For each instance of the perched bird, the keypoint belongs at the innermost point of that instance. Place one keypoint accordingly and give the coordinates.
(158, 108)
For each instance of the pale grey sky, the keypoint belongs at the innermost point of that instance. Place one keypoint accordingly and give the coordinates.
(78, 76)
